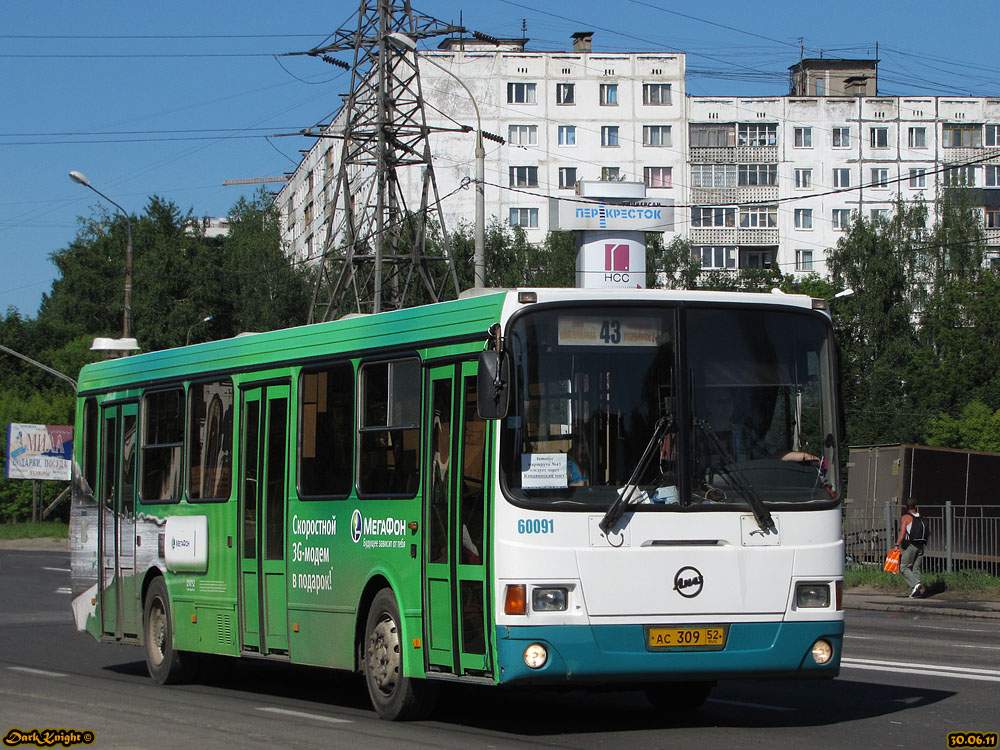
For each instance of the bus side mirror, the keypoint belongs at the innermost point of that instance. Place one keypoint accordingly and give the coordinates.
(493, 385)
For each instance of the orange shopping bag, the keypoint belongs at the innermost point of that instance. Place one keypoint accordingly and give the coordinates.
(891, 562)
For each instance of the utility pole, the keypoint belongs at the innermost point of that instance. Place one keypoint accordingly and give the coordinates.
(375, 246)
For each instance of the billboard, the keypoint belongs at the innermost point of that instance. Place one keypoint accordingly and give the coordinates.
(611, 260)
(39, 451)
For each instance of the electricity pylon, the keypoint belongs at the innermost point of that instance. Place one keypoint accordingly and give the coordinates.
(375, 249)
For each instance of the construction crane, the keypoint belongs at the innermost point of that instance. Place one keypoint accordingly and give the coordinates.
(376, 253)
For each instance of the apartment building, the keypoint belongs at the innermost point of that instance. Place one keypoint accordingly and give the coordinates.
(756, 181)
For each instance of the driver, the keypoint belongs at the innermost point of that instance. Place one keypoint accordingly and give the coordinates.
(741, 440)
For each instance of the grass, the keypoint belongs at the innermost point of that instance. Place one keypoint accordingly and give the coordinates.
(55, 529)
(963, 580)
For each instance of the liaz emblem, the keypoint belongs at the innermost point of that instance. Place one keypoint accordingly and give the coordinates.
(688, 582)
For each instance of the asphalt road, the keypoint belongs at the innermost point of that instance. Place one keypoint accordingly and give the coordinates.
(907, 681)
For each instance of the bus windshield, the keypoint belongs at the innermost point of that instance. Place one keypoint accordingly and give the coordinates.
(747, 394)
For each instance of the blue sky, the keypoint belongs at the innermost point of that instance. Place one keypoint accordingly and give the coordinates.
(171, 99)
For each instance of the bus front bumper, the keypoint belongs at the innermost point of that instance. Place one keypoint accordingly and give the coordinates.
(605, 654)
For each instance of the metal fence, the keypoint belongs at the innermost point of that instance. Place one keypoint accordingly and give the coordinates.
(962, 537)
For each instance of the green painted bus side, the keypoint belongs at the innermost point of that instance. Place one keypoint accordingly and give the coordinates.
(303, 599)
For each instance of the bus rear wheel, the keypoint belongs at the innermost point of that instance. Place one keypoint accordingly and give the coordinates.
(166, 665)
(394, 696)
(674, 697)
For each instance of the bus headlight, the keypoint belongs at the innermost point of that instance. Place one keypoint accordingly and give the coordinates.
(822, 651)
(548, 600)
(535, 656)
(812, 595)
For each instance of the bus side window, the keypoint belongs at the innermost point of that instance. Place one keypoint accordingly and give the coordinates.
(390, 428)
(162, 444)
(326, 431)
(210, 440)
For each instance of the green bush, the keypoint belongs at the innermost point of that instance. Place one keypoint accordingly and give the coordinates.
(30, 530)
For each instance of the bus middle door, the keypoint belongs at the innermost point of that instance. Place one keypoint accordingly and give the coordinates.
(263, 491)
(456, 520)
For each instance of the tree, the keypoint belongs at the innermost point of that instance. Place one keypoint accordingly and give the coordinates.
(977, 429)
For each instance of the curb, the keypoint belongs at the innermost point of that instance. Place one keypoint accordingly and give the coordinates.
(918, 609)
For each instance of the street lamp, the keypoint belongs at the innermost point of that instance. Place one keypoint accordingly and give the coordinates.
(187, 341)
(404, 42)
(81, 178)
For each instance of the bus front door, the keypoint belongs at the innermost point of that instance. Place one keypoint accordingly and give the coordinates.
(263, 493)
(456, 520)
(119, 606)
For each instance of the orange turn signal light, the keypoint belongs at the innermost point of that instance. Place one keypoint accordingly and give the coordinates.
(515, 599)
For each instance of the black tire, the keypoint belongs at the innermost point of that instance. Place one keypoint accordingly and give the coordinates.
(394, 696)
(675, 697)
(166, 665)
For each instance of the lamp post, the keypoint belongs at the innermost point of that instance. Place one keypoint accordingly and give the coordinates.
(402, 41)
(187, 341)
(81, 178)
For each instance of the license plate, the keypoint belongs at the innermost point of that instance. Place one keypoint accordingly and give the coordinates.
(699, 638)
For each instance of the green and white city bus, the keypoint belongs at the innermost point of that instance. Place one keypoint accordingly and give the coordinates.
(532, 487)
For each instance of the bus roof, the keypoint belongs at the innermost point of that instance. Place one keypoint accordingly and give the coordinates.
(468, 318)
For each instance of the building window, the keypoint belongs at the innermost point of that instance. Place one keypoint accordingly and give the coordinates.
(567, 135)
(714, 257)
(803, 218)
(389, 440)
(526, 218)
(959, 177)
(841, 178)
(880, 177)
(524, 176)
(307, 214)
(880, 137)
(992, 218)
(713, 136)
(758, 258)
(609, 135)
(993, 135)
(611, 174)
(917, 138)
(162, 445)
(713, 217)
(656, 94)
(841, 218)
(803, 260)
(879, 213)
(522, 135)
(521, 93)
(326, 424)
(992, 175)
(656, 135)
(657, 177)
(803, 178)
(609, 94)
(565, 93)
(841, 137)
(759, 217)
(758, 174)
(803, 138)
(918, 178)
(757, 135)
(960, 135)
(713, 175)
(567, 178)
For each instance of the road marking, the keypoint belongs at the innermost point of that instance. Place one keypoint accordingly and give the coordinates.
(743, 704)
(861, 637)
(42, 672)
(303, 715)
(954, 630)
(64, 590)
(967, 645)
(931, 670)
(58, 570)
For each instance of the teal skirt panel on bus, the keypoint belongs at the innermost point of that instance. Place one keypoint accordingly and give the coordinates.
(604, 653)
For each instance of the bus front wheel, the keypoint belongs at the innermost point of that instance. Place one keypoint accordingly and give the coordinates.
(394, 696)
(166, 664)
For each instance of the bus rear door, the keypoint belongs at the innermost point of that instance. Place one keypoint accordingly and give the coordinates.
(119, 607)
(263, 494)
(456, 520)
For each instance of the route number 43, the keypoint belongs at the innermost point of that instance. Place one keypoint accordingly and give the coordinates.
(611, 332)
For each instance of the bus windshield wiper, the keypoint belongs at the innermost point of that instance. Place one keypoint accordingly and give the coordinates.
(737, 477)
(617, 508)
